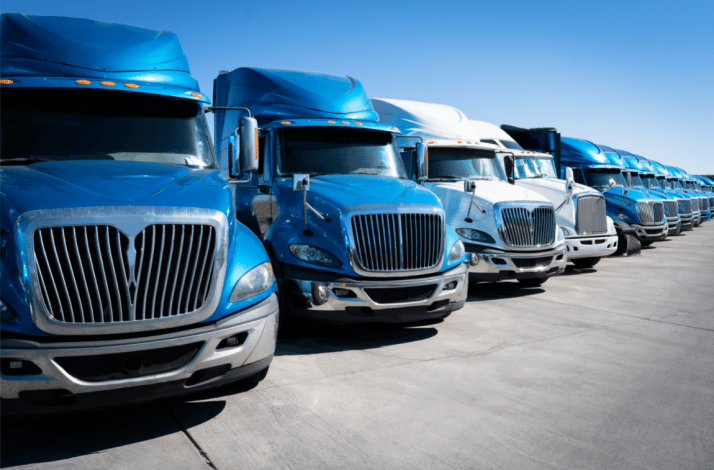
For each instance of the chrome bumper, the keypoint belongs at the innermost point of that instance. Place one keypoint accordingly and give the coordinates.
(651, 232)
(673, 224)
(348, 301)
(686, 222)
(696, 218)
(591, 247)
(503, 266)
(258, 322)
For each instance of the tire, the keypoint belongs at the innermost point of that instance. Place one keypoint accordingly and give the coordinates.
(532, 282)
(584, 263)
(646, 242)
(255, 378)
(621, 242)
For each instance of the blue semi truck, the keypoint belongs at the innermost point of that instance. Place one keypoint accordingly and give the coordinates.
(678, 179)
(125, 273)
(654, 176)
(352, 240)
(642, 177)
(687, 205)
(631, 210)
(632, 168)
(707, 186)
(691, 184)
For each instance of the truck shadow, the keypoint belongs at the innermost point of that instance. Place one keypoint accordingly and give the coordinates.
(575, 271)
(491, 290)
(43, 440)
(313, 338)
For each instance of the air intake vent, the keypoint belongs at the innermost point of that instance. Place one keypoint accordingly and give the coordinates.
(590, 217)
(650, 212)
(521, 227)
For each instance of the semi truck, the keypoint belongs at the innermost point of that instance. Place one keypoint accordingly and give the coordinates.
(678, 180)
(509, 231)
(631, 171)
(707, 186)
(350, 237)
(630, 209)
(580, 211)
(642, 177)
(125, 275)
(685, 204)
(691, 184)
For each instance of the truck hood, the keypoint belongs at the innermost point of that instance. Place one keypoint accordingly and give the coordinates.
(553, 189)
(490, 192)
(342, 191)
(54, 185)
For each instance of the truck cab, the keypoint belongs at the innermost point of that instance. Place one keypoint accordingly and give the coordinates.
(125, 274)
(351, 238)
(509, 231)
(642, 177)
(631, 171)
(691, 184)
(707, 186)
(678, 179)
(630, 209)
(589, 233)
(684, 202)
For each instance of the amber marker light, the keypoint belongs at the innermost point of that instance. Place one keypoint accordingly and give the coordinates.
(5, 82)
(82, 82)
(344, 122)
(131, 85)
(358, 123)
(107, 83)
(330, 122)
(286, 123)
(197, 95)
(430, 143)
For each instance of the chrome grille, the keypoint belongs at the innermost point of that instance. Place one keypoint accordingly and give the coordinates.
(711, 201)
(590, 216)
(397, 242)
(685, 206)
(522, 227)
(695, 204)
(95, 274)
(670, 208)
(650, 212)
(704, 204)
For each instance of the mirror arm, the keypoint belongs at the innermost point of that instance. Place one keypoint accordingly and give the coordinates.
(211, 109)
(306, 206)
(473, 203)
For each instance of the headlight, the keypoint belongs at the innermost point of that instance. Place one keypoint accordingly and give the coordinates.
(313, 255)
(625, 217)
(257, 280)
(457, 251)
(475, 235)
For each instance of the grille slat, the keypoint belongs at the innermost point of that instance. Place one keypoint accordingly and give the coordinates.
(392, 242)
(522, 227)
(650, 212)
(590, 215)
(670, 208)
(86, 276)
(704, 204)
(695, 204)
(684, 206)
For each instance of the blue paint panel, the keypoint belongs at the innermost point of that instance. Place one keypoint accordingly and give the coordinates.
(41, 47)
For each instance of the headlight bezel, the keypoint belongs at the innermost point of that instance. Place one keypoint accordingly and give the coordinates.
(457, 251)
(626, 218)
(300, 251)
(475, 235)
(253, 282)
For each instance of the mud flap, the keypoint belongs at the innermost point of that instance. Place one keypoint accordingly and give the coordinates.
(628, 243)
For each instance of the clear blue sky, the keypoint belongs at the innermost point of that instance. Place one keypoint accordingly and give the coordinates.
(637, 75)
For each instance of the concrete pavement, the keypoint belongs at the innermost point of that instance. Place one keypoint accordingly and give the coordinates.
(606, 368)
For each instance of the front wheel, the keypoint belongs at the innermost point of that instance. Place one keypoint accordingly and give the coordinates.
(532, 282)
(584, 263)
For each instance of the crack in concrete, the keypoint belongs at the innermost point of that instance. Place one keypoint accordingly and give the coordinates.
(195, 443)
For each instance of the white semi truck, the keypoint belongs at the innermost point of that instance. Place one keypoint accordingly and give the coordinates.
(589, 233)
(509, 231)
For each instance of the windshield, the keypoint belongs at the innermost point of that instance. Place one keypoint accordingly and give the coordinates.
(446, 162)
(651, 182)
(338, 151)
(636, 181)
(61, 124)
(535, 168)
(601, 178)
(509, 144)
(676, 184)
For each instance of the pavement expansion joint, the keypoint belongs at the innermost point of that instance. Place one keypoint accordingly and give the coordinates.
(200, 450)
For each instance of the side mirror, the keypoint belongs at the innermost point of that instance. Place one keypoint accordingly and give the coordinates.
(301, 182)
(247, 159)
(611, 183)
(569, 180)
(509, 165)
(469, 186)
(422, 161)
